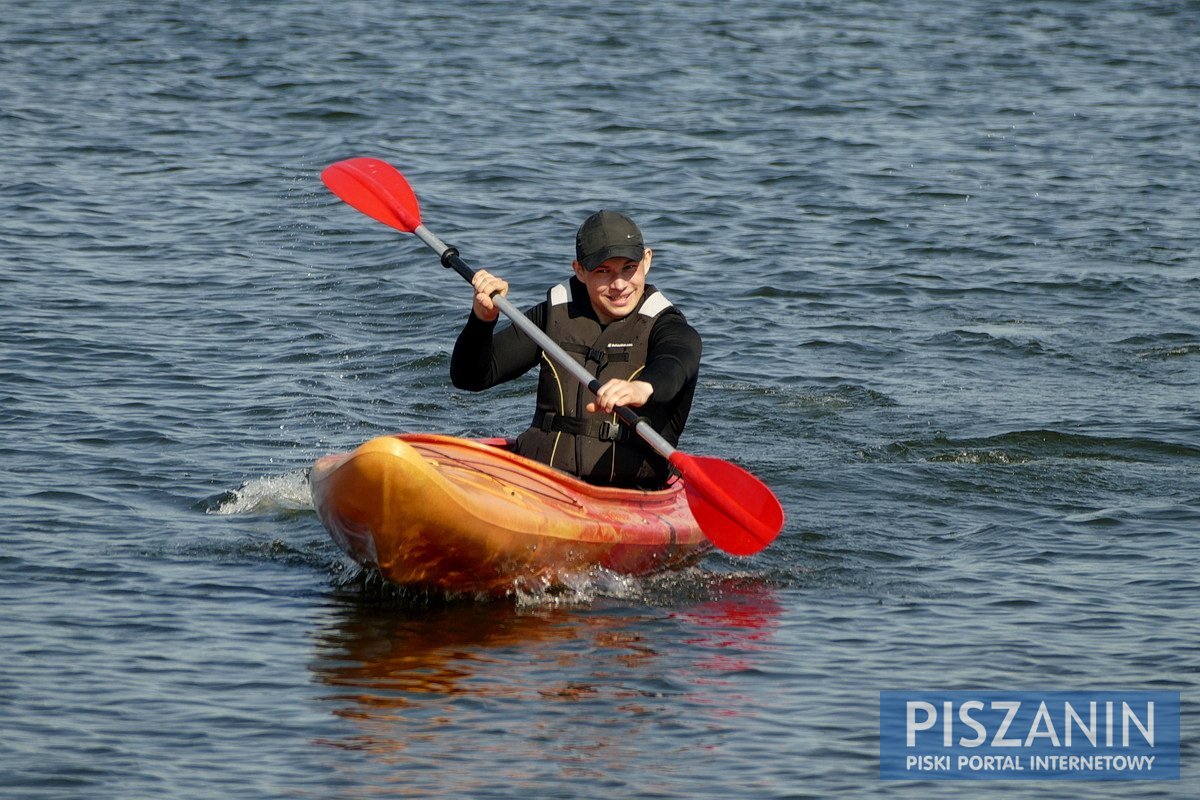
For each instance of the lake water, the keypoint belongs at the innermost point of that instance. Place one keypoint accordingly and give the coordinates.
(946, 262)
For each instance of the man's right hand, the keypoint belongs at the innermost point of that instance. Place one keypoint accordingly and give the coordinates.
(486, 285)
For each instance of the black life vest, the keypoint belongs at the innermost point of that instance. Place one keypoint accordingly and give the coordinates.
(595, 446)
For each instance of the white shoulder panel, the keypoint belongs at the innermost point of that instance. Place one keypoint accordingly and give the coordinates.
(655, 304)
(560, 294)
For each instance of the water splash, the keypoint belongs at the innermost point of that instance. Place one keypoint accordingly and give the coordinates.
(286, 492)
(567, 589)
(579, 588)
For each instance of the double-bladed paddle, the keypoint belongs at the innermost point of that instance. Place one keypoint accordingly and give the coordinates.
(734, 509)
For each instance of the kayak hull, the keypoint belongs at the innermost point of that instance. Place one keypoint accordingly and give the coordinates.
(457, 515)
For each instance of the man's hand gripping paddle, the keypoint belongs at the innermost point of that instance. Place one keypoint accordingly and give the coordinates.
(736, 510)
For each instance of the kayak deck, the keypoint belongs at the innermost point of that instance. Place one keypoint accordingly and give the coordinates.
(462, 515)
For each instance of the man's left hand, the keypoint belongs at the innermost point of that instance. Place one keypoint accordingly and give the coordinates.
(621, 393)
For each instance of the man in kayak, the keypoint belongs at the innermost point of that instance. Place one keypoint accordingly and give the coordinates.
(621, 329)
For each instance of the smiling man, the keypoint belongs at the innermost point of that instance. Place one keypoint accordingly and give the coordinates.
(621, 329)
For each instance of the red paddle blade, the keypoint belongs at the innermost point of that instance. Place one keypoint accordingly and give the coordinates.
(377, 189)
(736, 510)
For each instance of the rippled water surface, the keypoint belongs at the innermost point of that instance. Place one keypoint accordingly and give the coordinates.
(946, 262)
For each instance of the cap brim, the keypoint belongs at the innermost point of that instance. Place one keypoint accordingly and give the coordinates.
(631, 251)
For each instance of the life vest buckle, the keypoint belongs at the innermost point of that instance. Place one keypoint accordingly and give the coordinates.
(610, 431)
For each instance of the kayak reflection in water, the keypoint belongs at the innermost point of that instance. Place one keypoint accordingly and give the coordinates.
(622, 330)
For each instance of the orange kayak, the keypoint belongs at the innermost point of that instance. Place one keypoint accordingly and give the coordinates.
(462, 515)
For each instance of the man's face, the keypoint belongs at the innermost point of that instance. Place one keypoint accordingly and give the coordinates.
(616, 286)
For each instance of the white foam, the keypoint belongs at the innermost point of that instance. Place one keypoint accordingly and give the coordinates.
(578, 588)
(286, 492)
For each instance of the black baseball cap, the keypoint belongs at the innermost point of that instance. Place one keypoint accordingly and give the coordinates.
(607, 234)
